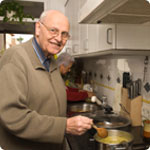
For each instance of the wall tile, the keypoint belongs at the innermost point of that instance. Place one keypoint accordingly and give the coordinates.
(114, 66)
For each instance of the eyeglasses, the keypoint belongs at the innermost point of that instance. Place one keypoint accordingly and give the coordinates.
(55, 32)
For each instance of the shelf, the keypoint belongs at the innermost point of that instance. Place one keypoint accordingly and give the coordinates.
(125, 52)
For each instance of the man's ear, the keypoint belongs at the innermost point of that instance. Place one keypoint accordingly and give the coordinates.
(37, 28)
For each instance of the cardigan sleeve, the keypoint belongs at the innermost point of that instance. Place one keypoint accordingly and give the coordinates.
(73, 94)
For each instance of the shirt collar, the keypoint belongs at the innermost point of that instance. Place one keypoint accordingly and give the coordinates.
(38, 51)
(44, 60)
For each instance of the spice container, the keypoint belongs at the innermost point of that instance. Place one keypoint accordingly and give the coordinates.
(146, 131)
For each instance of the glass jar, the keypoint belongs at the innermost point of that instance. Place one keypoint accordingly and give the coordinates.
(146, 129)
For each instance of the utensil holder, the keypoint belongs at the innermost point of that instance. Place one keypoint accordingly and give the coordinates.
(132, 107)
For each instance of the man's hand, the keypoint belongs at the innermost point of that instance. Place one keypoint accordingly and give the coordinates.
(78, 125)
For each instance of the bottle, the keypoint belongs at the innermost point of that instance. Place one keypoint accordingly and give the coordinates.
(146, 130)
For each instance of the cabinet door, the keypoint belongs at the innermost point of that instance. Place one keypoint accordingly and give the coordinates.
(69, 14)
(83, 38)
(71, 10)
(75, 27)
(93, 36)
(68, 47)
(88, 38)
(132, 37)
(82, 2)
(106, 38)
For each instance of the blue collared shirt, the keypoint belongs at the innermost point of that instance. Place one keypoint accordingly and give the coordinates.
(45, 61)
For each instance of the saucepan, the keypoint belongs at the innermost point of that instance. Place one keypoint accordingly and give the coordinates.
(116, 140)
(83, 107)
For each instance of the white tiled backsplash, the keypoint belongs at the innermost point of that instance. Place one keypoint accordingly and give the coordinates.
(114, 66)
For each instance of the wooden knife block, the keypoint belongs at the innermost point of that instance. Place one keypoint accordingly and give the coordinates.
(133, 107)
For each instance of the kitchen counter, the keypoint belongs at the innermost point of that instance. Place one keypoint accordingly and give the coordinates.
(86, 141)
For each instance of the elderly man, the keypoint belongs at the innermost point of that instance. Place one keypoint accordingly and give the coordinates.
(33, 96)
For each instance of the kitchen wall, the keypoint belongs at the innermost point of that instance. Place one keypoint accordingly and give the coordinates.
(107, 76)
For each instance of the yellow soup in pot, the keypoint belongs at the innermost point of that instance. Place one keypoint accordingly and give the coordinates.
(113, 140)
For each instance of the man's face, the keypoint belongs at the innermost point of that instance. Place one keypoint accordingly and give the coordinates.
(51, 34)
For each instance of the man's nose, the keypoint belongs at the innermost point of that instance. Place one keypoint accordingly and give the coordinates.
(59, 37)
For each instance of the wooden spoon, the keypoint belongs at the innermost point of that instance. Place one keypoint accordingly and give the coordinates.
(102, 132)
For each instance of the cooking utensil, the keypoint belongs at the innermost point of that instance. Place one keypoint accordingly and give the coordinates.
(95, 99)
(145, 67)
(124, 109)
(134, 88)
(102, 132)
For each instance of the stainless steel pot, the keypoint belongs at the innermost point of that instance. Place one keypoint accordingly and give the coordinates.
(116, 140)
(83, 107)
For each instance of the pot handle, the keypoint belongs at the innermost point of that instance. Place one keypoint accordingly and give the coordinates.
(122, 146)
(140, 147)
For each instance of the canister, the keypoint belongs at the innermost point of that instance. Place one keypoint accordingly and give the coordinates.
(146, 131)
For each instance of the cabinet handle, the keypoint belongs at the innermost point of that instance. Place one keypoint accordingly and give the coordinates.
(109, 31)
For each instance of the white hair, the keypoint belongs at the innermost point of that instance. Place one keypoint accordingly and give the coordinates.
(46, 12)
(65, 59)
(43, 15)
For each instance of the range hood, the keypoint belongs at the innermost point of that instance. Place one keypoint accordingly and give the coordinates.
(115, 11)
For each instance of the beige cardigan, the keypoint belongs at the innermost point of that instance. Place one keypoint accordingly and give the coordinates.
(32, 102)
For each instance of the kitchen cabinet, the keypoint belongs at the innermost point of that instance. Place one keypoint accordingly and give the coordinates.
(71, 12)
(106, 37)
(84, 46)
(115, 11)
(82, 2)
(88, 38)
(103, 39)
(53, 4)
(113, 38)
(68, 47)
(127, 39)
(132, 37)
(123, 37)
(83, 36)
(93, 37)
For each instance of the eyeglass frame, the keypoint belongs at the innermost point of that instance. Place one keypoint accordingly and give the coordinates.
(57, 32)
